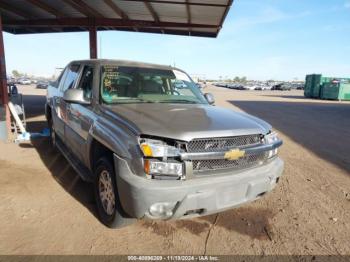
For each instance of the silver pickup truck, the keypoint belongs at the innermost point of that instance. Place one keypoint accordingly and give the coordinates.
(154, 146)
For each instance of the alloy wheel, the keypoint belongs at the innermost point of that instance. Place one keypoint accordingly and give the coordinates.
(106, 192)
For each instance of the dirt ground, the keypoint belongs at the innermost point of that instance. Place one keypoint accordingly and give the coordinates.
(46, 209)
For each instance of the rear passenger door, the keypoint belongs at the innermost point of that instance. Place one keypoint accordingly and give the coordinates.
(80, 117)
(56, 97)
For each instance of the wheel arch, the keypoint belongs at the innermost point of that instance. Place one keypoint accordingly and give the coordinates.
(98, 150)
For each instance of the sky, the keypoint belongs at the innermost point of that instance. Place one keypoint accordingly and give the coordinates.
(261, 40)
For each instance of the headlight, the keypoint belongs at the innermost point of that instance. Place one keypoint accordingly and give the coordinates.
(160, 169)
(157, 148)
(271, 139)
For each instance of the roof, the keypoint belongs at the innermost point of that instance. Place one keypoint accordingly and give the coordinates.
(179, 17)
(127, 63)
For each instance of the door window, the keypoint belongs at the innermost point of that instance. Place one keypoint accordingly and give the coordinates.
(86, 81)
(72, 75)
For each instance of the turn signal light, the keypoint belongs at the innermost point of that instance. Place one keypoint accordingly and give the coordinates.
(147, 150)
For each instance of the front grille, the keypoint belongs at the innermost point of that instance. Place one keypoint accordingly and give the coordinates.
(225, 144)
(221, 143)
(219, 164)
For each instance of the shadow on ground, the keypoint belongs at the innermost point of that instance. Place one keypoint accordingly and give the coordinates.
(322, 128)
(253, 222)
(34, 105)
(286, 96)
(60, 169)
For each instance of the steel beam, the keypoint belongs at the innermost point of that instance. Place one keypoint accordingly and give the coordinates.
(189, 17)
(14, 10)
(100, 22)
(180, 3)
(152, 11)
(83, 8)
(116, 9)
(47, 8)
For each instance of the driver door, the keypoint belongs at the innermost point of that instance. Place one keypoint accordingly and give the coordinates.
(80, 117)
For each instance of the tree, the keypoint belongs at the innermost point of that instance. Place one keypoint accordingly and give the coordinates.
(244, 79)
(236, 79)
(16, 74)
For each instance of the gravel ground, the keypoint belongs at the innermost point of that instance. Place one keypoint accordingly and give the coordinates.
(47, 209)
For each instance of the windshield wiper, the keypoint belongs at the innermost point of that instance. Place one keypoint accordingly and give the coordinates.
(131, 101)
(179, 101)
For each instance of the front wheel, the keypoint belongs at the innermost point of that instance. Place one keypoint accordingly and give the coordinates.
(106, 195)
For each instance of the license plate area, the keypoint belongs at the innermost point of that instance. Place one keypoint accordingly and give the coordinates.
(230, 196)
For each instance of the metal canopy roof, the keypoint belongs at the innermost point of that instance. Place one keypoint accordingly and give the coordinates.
(179, 17)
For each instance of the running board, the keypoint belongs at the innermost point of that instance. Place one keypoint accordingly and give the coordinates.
(82, 171)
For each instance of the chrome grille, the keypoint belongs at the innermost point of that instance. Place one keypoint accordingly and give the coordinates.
(225, 144)
(217, 164)
(221, 143)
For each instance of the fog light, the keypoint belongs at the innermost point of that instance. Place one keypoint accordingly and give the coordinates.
(162, 210)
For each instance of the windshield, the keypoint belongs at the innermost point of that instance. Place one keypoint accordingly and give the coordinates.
(120, 84)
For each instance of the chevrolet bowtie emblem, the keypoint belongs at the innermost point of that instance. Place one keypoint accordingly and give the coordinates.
(234, 154)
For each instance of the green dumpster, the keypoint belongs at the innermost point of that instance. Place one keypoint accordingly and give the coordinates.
(316, 82)
(314, 85)
(336, 90)
(308, 86)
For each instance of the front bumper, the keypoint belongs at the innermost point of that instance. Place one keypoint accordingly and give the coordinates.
(194, 197)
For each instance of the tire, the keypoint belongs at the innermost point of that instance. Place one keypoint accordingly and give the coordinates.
(53, 135)
(107, 199)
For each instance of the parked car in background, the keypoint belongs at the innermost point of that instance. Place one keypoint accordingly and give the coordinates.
(153, 150)
(42, 84)
(266, 87)
(281, 87)
(24, 81)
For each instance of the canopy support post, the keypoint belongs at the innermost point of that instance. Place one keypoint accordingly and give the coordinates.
(93, 42)
(4, 99)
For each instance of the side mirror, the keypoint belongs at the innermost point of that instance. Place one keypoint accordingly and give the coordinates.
(210, 98)
(75, 96)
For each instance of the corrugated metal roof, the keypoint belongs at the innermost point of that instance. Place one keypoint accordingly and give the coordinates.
(182, 17)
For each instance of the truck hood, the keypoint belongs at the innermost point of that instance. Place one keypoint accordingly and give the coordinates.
(185, 121)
